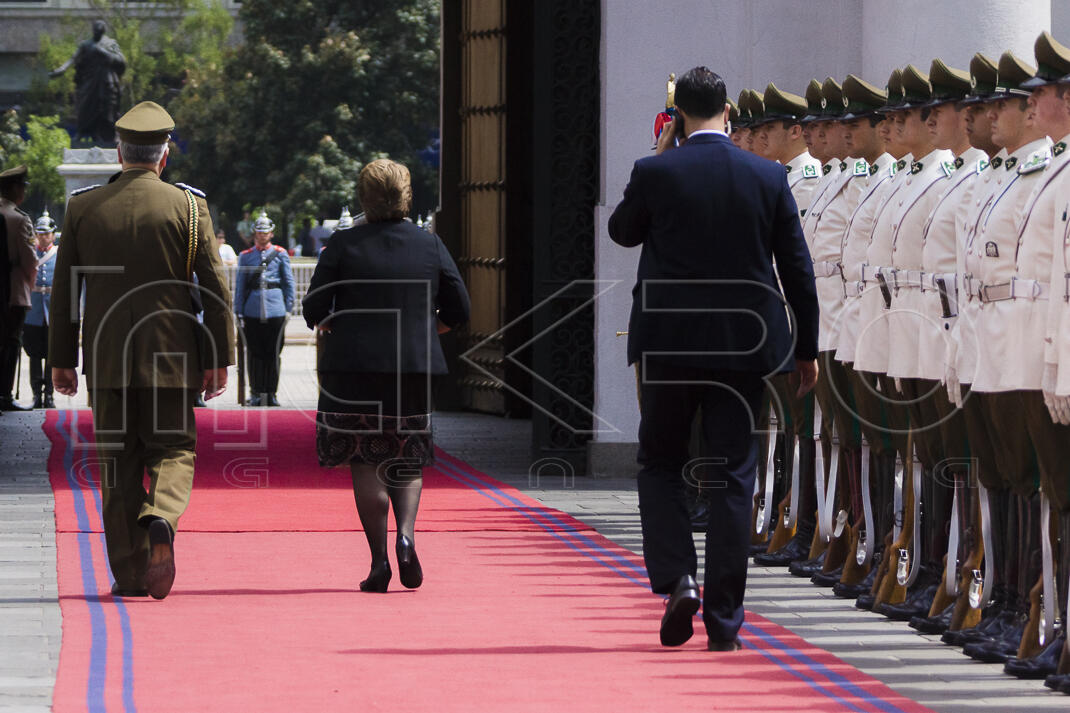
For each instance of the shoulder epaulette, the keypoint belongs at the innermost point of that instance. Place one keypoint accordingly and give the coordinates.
(948, 168)
(280, 248)
(86, 189)
(191, 189)
(247, 250)
(861, 168)
(810, 171)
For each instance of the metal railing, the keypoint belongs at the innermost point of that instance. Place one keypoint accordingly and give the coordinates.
(302, 276)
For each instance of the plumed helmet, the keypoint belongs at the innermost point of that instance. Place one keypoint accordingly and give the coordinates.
(263, 223)
(45, 224)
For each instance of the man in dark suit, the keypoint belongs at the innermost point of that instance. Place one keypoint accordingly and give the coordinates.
(708, 324)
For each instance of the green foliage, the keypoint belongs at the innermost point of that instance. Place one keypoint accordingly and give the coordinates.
(318, 89)
(42, 153)
(11, 142)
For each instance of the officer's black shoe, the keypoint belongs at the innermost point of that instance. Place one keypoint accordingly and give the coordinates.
(1003, 644)
(917, 604)
(1040, 666)
(10, 404)
(199, 402)
(854, 591)
(796, 550)
(253, 401)
(272, 401)
(1058, 681)
(827, 579)
(991, 615)
(49, 401)
(865, 601)
(808, 568)
(934, 624)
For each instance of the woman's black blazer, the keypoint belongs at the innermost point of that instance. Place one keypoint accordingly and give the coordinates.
(378, 286)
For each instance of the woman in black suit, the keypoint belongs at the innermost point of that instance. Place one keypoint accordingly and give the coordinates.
(381, 294)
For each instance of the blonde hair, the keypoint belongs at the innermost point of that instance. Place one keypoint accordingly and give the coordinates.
(384, 189)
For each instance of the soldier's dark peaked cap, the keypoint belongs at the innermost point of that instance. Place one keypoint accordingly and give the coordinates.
(746, 112)
(894, 89)
(146, 124)
(949, 85)
(14, 175)
(1012, 73)
(756, 104)
(917, 89)
(832, 106)
(781, 105)
(813, 101)
(863, 99)
(1053, 62)
(733, 111)
(983, 76)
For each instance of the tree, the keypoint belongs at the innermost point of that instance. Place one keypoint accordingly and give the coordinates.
(11, 141)
(318, 89)
(42, 154)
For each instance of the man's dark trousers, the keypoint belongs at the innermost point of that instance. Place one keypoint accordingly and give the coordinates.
(730, 402)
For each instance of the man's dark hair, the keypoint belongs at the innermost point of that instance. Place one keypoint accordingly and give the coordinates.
(701, 93)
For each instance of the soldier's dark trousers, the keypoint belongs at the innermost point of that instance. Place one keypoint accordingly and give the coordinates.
(264, 338)
(730, 403)
(10, 347)
(141, 431)
(35, 342)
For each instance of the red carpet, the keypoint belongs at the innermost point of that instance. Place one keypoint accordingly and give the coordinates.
(523, 607)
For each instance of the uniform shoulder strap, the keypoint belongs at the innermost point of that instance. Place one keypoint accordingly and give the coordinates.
(191, 247)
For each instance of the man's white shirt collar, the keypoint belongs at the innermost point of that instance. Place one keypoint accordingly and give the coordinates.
(707, 131)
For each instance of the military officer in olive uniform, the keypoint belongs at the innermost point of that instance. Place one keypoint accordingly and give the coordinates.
(136, 244)
(19, 282)
(263, 299)
(35, 330)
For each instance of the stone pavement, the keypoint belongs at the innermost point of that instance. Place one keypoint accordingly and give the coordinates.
(916, 666)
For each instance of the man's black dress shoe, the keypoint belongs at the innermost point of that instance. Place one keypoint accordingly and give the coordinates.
(1058, 682)
(865, 601)
(733, 645)
(917, 604)
(378, 578)
(827, 579)
(808, 568)
(677, 624)
(272, 401)
(117, 591)
(795, 550)
(10, 404)
(1040, 666)
(700, 515)
(409, 570)
(934, 624)
(49, 401)
(1001, 646)
(253, 401)
(160, 576)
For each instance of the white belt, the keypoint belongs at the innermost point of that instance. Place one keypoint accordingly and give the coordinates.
(869, 273)
(1016, 289)
(930, 282)
(44, 290)
(854, 289)
(972, 287)
(907, 278)
(823, 268)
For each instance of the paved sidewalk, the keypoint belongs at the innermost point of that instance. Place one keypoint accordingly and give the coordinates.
(916, 666)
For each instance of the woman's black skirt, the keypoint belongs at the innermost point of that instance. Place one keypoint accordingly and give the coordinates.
(371, 418)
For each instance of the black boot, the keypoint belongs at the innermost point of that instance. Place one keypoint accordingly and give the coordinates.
(934, 624)
(1042, 665)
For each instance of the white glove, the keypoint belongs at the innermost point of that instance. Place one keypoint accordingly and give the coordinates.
(1058, 406)
(898, 384)
(954, 388)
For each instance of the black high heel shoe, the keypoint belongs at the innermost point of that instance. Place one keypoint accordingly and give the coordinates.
(378, 578)
(412, 575)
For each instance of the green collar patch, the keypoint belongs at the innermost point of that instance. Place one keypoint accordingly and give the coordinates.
(1010, 163)
(787, 169)
(843, 166)
(900, 164)
(959, 161)
(873, 170)
(916, 167)
(996, 162)
(825, 170)
(1058, 148)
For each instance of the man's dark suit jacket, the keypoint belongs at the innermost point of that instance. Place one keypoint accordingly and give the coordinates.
(711, 219)
(381, 283)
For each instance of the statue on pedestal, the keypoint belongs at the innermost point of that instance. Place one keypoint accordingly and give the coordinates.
(98, 65)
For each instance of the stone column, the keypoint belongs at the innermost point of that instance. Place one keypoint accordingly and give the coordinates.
(898, 33)
(85, 167)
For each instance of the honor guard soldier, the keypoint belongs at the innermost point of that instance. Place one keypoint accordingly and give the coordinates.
(733, 123)
(870, 511)
(263, 299)
(746, 120)
(780, 139)
(35, 330)
(824, 226)
(1015, 509)
(17, 284)
(1025, 318)
(944, 502)
(136, 244)
(871, 347)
